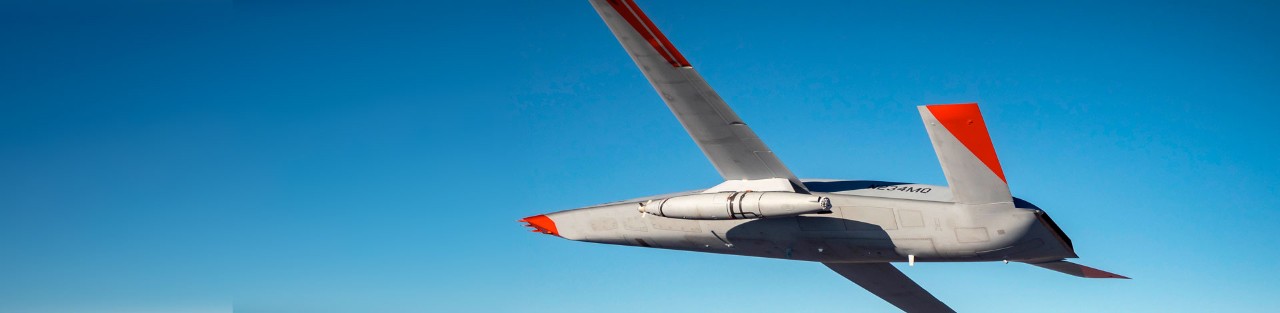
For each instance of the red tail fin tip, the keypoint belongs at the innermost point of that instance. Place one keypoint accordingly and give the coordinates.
(965, 122)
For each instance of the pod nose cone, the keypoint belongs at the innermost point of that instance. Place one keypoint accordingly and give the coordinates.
(541, 224)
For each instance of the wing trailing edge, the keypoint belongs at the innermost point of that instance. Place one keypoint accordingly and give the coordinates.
(1073, 269)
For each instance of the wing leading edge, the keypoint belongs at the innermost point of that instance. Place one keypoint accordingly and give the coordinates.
(888, 283)
(733, 148)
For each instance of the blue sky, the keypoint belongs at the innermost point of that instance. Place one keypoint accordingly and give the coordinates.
(373, 156)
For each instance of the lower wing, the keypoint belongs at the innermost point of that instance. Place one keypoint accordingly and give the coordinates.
(888, 283)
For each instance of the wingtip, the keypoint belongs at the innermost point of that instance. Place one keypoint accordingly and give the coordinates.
(1090, 272)
(1073, 269)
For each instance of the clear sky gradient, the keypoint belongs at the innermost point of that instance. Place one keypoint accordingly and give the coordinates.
(374, 156)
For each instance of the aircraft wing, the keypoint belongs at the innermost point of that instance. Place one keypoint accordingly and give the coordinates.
(735, 151)
(1065, 267)
(886, 282)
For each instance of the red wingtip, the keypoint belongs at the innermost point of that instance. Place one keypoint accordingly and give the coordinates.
(965, 122)
(541, 224)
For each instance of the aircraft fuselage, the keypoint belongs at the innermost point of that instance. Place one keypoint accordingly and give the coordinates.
(869, 222)
(855, 228)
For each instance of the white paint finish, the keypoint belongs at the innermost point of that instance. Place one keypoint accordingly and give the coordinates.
(736, 205)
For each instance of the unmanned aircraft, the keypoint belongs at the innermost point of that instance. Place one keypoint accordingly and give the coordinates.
(855, 227)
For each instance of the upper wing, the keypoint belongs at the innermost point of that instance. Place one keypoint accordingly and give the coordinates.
(732, 147)
(885, 281)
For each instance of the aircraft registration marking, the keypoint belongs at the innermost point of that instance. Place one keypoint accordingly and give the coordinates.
(902, 188)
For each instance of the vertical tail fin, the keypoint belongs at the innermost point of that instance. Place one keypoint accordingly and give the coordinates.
(964, 148)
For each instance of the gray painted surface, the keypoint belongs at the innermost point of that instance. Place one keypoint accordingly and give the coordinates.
(731, 146)
(869, 223)
(890, 284)
(859, 229)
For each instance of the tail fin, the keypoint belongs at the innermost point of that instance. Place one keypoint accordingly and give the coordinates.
(1077, 270)
(964, 148)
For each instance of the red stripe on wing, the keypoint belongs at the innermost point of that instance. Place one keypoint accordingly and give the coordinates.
(650, 32)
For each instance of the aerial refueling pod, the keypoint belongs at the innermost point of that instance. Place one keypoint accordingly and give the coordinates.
(737, 205)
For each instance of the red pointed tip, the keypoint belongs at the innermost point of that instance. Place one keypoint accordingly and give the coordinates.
(541, 224)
